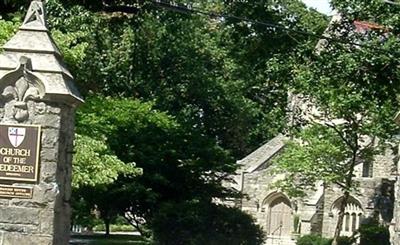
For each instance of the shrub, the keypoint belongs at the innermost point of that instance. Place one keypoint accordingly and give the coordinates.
(373, 233)
(313, 239)
(195, 223)
(344, 240)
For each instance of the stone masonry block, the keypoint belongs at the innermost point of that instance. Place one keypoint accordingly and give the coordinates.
(19, 215)
(50, 138)
(47, 121)
(22, 239)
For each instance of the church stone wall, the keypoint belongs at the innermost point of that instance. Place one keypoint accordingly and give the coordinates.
(365, 197)
(384, 165)
(258, 186)
(374, 194)
(256, 189)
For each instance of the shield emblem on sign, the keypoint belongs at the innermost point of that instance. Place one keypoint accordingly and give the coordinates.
(16, 136)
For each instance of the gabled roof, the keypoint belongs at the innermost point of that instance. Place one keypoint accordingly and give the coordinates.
(262, 155)
(362, 26)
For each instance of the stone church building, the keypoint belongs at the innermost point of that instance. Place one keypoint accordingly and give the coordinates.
(284, 218)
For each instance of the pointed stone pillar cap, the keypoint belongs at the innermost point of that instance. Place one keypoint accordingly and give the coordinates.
(35, 18)
(34, 42)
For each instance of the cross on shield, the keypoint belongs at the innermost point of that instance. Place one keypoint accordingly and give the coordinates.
(16, 135)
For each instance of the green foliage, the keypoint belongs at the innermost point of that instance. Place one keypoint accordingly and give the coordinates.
(95, 164)
(12, 6)
(7, 29)
(181, 96)
(82, 213)
(352, 88)
(107, 116)
(320, 155)
(313, 240)
(375, 11)
(265, 57)
(203, 223)
(344, 240)
(372, 233)
(149, 56)
(73, 51)
(104, 125)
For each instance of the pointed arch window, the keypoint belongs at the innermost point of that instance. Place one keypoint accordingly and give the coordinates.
(353, 215)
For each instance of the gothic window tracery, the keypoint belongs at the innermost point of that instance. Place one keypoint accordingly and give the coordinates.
(352, 217)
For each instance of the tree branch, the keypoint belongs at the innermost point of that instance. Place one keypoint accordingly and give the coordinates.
(135, 221)
(340, 184)
(340, 135)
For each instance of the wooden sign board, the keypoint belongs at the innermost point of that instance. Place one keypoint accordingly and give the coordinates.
(19, 152)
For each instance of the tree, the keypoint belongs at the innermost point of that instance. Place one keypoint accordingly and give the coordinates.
(204, 223)
(179, 162)
(196, 93)
(105, 123)
(96, 168)
(235, 89)
(94, 164)
(264, 57)
(354, 109)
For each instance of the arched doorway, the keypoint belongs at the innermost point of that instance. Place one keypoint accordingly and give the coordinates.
(279, 215)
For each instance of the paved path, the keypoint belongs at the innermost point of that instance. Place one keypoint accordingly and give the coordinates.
(98, 237)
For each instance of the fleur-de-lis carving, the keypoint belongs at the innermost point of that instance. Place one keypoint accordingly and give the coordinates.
(26, 87)
(22, 92)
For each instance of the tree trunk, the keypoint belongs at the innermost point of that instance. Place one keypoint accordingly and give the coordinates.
(135, 224)
(107, 226)
(339, 223)
(346, 195)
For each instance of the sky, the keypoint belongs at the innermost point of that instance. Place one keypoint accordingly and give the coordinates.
(321, 5)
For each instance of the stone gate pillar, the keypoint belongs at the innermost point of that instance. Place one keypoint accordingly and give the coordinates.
(37, 107)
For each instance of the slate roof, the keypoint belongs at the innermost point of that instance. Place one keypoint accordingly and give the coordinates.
(262, 155)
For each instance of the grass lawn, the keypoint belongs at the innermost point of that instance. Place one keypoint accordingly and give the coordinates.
(112, 240)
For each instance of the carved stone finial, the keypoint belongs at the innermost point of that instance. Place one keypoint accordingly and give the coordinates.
(35, 18)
